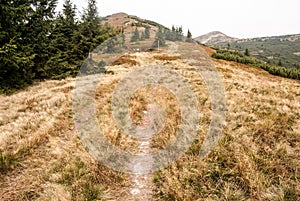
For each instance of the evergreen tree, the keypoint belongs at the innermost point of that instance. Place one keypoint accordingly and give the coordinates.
(189, 37)
(64, 45)
(179, 34)
(147, 32)
(159, 39)
(173, 28)
(39, 27)
(247, 53)
(135, 36)
(175, 34)
(143, 37)
(170, 35)
(24, 29)
(123, 37)
(90, 27)
(228, 46)
(91, 14)
(36, 44)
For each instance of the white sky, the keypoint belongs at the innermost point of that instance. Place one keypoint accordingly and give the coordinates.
(236, 18)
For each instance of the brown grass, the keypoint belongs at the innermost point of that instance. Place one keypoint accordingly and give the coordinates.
(258, 155)
(41, 157)
(164, 57)
(257, 158)
(129, 60)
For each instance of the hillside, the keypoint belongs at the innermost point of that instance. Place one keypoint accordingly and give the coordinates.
(129, 22)
(274, 50)
(214, 37)
(256, 158)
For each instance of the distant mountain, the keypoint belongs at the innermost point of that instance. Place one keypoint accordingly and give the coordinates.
(214, 37)
(283, 50)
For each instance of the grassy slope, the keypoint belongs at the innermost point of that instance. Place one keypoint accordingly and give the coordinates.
(271, 50)
(257, 157)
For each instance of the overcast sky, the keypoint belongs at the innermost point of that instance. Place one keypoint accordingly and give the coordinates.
(236, 18)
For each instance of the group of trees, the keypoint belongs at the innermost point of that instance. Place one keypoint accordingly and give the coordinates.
(136, 36)
(38, 43)
(175, 34)
(293, 73)
(162, 34)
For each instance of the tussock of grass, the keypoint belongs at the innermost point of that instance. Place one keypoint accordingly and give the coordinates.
(6, 162)
(129, 60)
(164, 57)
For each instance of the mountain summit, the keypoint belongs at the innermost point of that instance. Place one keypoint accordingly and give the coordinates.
(214, 37)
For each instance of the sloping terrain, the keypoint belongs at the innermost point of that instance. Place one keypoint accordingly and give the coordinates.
(257, 158)
(282, 50)
(277, 50)
(214, 37)
(129, 22)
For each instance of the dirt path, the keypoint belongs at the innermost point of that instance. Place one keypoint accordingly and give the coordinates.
(142, 186)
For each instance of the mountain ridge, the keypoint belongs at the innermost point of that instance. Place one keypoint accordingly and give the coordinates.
(280, 50)
(216, 37)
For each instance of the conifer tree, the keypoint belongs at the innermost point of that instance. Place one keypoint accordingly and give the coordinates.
(143, 37)
(39, 28)
(147, 32)
(135, 36)
(159, 39)
(247, 53)
(64, 45)
(189, 37)
(35, 43)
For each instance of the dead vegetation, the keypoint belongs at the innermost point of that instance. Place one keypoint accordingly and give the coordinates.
(165, 57)
(257, 158)
(129, 60)
(258, 155)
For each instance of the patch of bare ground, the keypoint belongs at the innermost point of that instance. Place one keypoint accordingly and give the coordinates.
(297, 53)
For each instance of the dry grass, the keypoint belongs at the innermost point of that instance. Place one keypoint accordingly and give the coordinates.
(258, 155)
(257, 158)
(129, 60)
(165, 57)
(41, 157)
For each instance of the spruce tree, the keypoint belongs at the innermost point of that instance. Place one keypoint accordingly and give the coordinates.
(247, 53)
(24, 30)
(189, 37)
(39, 28)
(143, 37)
(90, 27)
(64, 44)
(35, 43)
(135, 36)
(159, 39)
(147, 32)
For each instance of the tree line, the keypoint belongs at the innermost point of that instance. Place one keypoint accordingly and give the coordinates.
(162, 34)
(37, 43)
